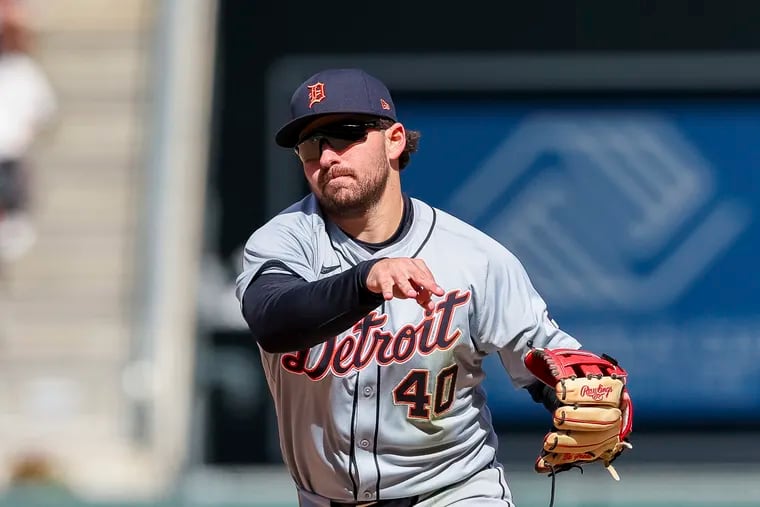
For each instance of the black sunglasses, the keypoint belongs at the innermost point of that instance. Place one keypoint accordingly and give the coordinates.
(338, 135)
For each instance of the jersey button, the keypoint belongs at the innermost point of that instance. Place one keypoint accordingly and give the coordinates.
(364, 443)
(368, 391)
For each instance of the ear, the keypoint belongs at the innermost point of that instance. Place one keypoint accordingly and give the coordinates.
(395, 140)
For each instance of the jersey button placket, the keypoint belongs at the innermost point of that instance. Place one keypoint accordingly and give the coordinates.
(365, 433)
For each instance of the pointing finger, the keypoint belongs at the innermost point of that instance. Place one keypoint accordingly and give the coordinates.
(427, 279)
(425, 282)
(405, 287)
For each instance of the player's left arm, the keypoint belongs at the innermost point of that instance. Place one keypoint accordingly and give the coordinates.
(586, 394)
(512, 317)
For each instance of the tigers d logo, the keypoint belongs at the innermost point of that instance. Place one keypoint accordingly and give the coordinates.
(316, 93)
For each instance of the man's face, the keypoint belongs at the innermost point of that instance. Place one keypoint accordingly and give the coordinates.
(345, 163)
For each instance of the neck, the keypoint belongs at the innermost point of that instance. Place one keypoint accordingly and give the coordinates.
(378, 223)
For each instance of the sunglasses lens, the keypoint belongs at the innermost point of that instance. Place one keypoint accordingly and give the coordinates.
(341, 143)
(339, 137)
(310, 149)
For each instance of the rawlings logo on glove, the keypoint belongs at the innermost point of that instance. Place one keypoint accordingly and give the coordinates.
(598, 393)
(595, 416)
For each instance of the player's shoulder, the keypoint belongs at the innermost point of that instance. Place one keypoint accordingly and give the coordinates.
(453, 228)
(451, 225)
(302, 219)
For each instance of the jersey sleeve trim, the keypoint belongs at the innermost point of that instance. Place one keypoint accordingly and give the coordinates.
(274, 266)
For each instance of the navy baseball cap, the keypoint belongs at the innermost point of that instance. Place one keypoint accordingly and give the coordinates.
(331, 91)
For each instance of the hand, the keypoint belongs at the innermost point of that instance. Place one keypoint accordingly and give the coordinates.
(595, 414)
(404, 278)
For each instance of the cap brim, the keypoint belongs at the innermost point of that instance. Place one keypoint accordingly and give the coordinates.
(287, 136)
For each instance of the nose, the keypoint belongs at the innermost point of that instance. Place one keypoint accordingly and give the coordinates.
(328, 155)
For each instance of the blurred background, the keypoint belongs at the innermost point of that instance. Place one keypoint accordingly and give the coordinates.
(613, 146)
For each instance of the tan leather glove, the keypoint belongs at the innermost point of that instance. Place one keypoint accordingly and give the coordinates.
(595, 417)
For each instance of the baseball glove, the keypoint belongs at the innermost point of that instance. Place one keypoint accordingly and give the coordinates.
(594, 415)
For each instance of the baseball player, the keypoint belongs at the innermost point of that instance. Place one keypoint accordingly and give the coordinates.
(374, 311)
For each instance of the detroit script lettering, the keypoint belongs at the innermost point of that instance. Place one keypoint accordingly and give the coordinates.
(369, 341)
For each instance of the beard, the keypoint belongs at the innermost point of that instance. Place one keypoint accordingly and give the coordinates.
(359, 193)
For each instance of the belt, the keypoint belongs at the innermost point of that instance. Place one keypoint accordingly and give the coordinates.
(395, 502)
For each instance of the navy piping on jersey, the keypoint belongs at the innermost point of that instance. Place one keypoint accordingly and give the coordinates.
(501, 484)
(377, 426)
(378, 390)
(353, 466)
(430, 233)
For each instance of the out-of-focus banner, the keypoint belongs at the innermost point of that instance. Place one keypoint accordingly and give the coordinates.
(639, 224)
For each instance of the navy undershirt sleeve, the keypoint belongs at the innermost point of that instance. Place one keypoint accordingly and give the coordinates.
(285, 313)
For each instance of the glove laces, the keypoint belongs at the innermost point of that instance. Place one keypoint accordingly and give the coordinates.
(553, 474)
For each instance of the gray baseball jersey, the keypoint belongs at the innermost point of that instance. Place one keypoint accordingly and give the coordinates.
(394, 405)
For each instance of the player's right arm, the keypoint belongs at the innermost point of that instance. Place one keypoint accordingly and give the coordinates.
(285, 313)
(283, 300)
(289, 306)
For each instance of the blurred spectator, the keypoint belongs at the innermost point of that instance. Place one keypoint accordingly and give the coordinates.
(33, 469)
(35, 479)
(27, 104)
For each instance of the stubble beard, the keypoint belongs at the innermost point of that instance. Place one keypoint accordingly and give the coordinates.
(357, 199)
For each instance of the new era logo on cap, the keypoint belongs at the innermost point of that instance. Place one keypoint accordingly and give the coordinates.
(348, 91)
